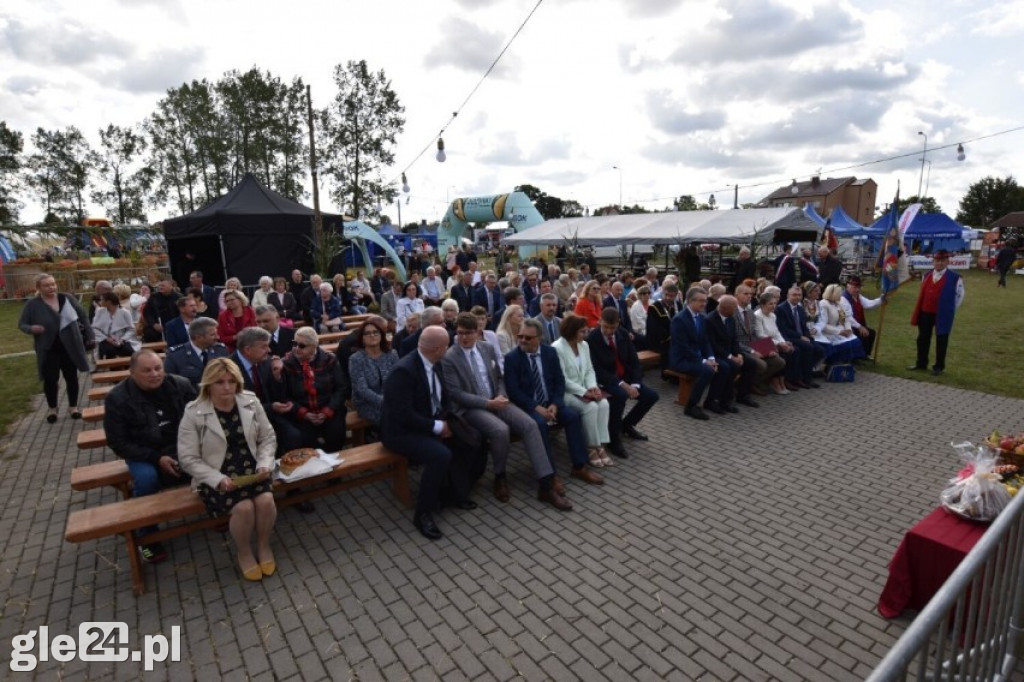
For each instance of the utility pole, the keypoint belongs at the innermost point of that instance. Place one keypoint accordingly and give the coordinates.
(318, 219)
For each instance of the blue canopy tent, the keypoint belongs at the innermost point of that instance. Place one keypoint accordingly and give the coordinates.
(930, 232)
(843, 224)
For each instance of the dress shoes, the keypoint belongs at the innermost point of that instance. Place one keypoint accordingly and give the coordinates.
(558, 485)
(916, 368)
(465, 505)
(937, 372)
(714, 407)
(615, 447)
(749, 402)
(696, 412)
(731, 409)
(425, 525)
(587, 476)
(555, 499)
(501, 490)
(810, 384)
(631, 431)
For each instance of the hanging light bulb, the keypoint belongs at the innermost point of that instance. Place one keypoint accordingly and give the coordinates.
(405, 184)
(441, 156)
(960, 155)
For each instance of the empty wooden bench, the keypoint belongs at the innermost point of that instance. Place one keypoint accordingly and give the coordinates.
(114, 473)
(97, 438)
(649, 359)
(184, 509)
(99, 392)
(685, 385)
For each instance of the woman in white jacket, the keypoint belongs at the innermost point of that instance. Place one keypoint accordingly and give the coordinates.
(844, 344)
(581, 390)
(114, 329)
(224, 440)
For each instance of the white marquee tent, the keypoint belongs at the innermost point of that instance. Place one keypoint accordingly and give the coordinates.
(737, 226)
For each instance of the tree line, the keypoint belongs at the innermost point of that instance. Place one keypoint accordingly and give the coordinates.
(202, 138)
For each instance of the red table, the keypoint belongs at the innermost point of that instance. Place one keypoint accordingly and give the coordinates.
(928, 555)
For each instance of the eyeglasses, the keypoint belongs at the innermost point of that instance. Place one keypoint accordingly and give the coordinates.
(303, 346)
(526, 337)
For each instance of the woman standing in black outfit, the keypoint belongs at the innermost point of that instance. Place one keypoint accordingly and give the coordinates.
(58, 323)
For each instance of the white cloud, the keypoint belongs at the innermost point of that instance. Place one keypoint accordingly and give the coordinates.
(1000, 20)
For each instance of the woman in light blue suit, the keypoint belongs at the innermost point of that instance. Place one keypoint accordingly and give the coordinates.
(581, 391)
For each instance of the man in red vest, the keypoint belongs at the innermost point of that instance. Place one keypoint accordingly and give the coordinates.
(942, 292)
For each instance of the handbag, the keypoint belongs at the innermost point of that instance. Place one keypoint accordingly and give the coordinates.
(841, 374)
(764, 347)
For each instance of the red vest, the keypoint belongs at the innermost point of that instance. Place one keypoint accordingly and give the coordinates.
(930, 292)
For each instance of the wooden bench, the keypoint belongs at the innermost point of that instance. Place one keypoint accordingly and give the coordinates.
(99, 392)
(649, 359)
(685, 385)
(115, 377)
(97, 438)
(158, 346)
(114, 473)
(361, 465)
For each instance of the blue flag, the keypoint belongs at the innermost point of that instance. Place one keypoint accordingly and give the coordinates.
(890, 253)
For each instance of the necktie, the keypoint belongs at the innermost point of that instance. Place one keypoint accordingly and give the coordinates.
(746, 321)
(435, 398)
(698, 325)
(551, 331)
(490, 304)
(540, 393)
(257, 385)
(483, 382)
(620, 371)
(796, 318)
(206, 357)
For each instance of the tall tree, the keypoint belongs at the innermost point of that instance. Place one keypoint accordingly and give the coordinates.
(125, 184)
(550, 207)
(685, 203)
(357, 134)
(928, 204)
(990, 199)
(60, 172)
(11, 145)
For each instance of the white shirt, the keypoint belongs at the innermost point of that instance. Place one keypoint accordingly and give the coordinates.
(431, 380)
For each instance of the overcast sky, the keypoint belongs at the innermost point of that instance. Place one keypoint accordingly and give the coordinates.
(685, 97)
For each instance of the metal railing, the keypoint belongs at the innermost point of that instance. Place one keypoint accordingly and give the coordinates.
(971, 629)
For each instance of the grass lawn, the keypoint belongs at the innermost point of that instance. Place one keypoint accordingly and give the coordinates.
(985, 344)
(20, 381)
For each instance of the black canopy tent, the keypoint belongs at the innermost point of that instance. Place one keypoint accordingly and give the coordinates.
(249, 232)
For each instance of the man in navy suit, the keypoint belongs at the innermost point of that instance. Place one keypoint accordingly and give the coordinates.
(619, 374)
(690, 349)
(280, 337)
(614, 299)
(535, 383)
(490, 299)
(210, 298)
(545, 287)
(414, 425)
(792, 320)
(463, 292)
(176, 330)
(725, 344)
(189, 359)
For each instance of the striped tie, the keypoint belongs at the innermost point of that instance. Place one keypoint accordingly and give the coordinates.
(539, 392)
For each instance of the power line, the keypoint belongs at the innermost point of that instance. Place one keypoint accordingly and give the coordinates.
(473, 91)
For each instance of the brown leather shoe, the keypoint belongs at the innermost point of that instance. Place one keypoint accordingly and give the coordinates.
(587, 476)
(558, 485)
(501, 490)
(554, 499)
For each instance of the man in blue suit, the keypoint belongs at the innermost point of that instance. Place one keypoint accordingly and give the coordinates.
(792, 320)
(690, 349)
(176, 331)
(535, 383)
(189, 359)
(210, 298)
(490, 299)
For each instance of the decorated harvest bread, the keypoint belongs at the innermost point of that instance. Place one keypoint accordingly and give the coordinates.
(293, 459)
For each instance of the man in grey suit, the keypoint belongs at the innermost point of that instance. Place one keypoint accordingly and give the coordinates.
(389, 305)
(189, 359)
(550, 323)
(473, 376)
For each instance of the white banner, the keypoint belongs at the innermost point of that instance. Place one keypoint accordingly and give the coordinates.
(959, 262)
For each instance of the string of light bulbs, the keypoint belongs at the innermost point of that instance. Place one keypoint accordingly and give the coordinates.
(441, 156)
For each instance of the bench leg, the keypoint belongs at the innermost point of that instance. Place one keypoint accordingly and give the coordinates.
(400, 483)
(685, 387)
(358, 437)
(138, 580)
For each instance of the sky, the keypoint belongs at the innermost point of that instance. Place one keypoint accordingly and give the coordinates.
(647, 99)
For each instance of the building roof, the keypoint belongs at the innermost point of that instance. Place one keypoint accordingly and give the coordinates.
(1015, 219)
(809, 189)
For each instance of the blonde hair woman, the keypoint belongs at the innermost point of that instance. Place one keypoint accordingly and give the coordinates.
(225, 435)
(232, 284)
(509, 326)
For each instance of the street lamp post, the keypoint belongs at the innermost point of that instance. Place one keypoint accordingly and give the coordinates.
(927, 181)
(924, 155)
(620, 185)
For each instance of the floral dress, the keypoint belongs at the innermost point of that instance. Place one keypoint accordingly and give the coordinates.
(238, 461)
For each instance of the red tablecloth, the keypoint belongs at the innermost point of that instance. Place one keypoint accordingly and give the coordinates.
(928, 555)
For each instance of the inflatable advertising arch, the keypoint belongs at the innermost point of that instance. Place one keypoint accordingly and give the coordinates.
(515, 208)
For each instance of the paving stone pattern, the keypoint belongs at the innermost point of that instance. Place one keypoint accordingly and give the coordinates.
(749, 547)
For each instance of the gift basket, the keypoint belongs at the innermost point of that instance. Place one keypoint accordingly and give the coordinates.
(1009, 448)
(983, 488)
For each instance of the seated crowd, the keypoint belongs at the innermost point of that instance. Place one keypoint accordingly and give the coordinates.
(449, 374)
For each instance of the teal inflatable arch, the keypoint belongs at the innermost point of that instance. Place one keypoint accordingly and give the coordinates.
(515, 208)
(359, 233)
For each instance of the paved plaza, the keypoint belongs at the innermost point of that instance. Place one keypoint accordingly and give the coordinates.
(749, 547)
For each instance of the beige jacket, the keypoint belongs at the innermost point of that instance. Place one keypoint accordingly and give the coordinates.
(202, 445)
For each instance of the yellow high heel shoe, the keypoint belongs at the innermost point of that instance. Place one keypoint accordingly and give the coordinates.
(252, 574)
(268, 568)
